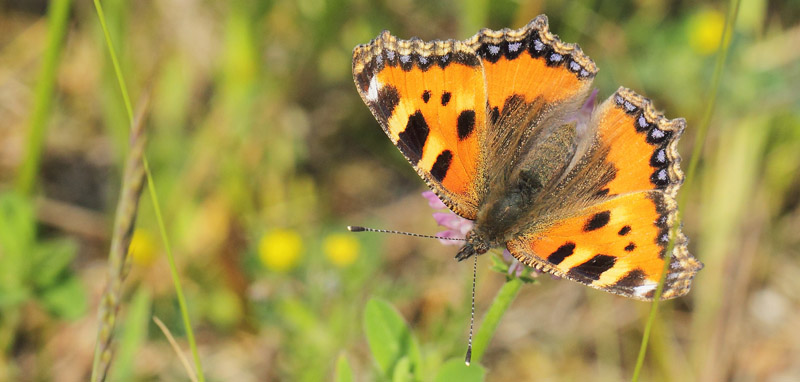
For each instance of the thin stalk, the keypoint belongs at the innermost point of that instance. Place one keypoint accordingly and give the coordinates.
(493, 316)
(154, 198)
(124, 222)
(57, 16)
(716, 78)
(724, 45)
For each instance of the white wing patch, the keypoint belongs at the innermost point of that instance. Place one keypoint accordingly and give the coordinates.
(643, 290)
(372, 92)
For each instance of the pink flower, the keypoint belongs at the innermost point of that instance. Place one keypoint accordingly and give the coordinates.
(457, 227)
(433, 200)
(515, 268)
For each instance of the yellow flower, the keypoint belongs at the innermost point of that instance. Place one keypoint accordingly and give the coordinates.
(341, 249)
(280, 249)
(143, 248)
(705, 31)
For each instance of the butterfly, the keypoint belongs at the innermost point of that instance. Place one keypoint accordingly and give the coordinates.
(496, 126)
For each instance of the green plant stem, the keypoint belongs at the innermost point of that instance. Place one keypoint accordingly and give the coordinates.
(154, 199)
(175, 277)
(57, 16)
(493, 316)
(724, 45)
(705, 123)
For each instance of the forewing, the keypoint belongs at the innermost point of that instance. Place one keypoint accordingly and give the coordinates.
(534, 82)
(430, 99)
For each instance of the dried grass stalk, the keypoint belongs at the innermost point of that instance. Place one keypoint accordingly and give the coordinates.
(118, 264)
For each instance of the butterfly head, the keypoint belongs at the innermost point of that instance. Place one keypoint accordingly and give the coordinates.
(476, 245)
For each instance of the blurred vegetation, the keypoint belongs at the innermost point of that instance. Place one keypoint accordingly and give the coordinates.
(262, 152)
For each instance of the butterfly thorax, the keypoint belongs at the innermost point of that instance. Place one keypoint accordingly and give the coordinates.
(500, 216)
(513, 207)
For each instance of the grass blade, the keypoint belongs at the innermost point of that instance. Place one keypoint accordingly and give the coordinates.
(175, 348)
(702, 132)
(57, 16)
(154, 198)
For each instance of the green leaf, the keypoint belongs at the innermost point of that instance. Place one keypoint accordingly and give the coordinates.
(17, 223)
(51, 259)
(526, 278)
(402, 371)
(67, 300)
(498, 264)
(389, 338)
(344, 373)
(10, 297)
(456, 370)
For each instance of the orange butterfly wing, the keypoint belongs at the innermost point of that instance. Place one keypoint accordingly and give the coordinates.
(533, 64)
(617, 246)
(447, 105)
(641, 143)
(430, 100)
(463, 112)
(618, 242)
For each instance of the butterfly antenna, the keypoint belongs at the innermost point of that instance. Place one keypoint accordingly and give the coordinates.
(355, 228)
(468, 358)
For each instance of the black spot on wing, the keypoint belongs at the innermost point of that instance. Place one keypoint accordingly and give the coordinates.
(446, 98)
(593, 268)
(597, 221)
(442, 164)
(444, 60)
(426, 96)
(624, 230)
(512, 49)
(490, 52)
(627, 106)
(413, 138)
(662, 223)
(406, 61)
(424, 62)
(469, 59)
(632, 279)
(659, 158)
(561, 253)
(657, 136)
(555, 59)
(388, 98)
(630, 247)
(660, 178)
(466, 124)
(537, 47)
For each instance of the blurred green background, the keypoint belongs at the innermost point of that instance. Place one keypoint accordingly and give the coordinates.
(262, 152)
